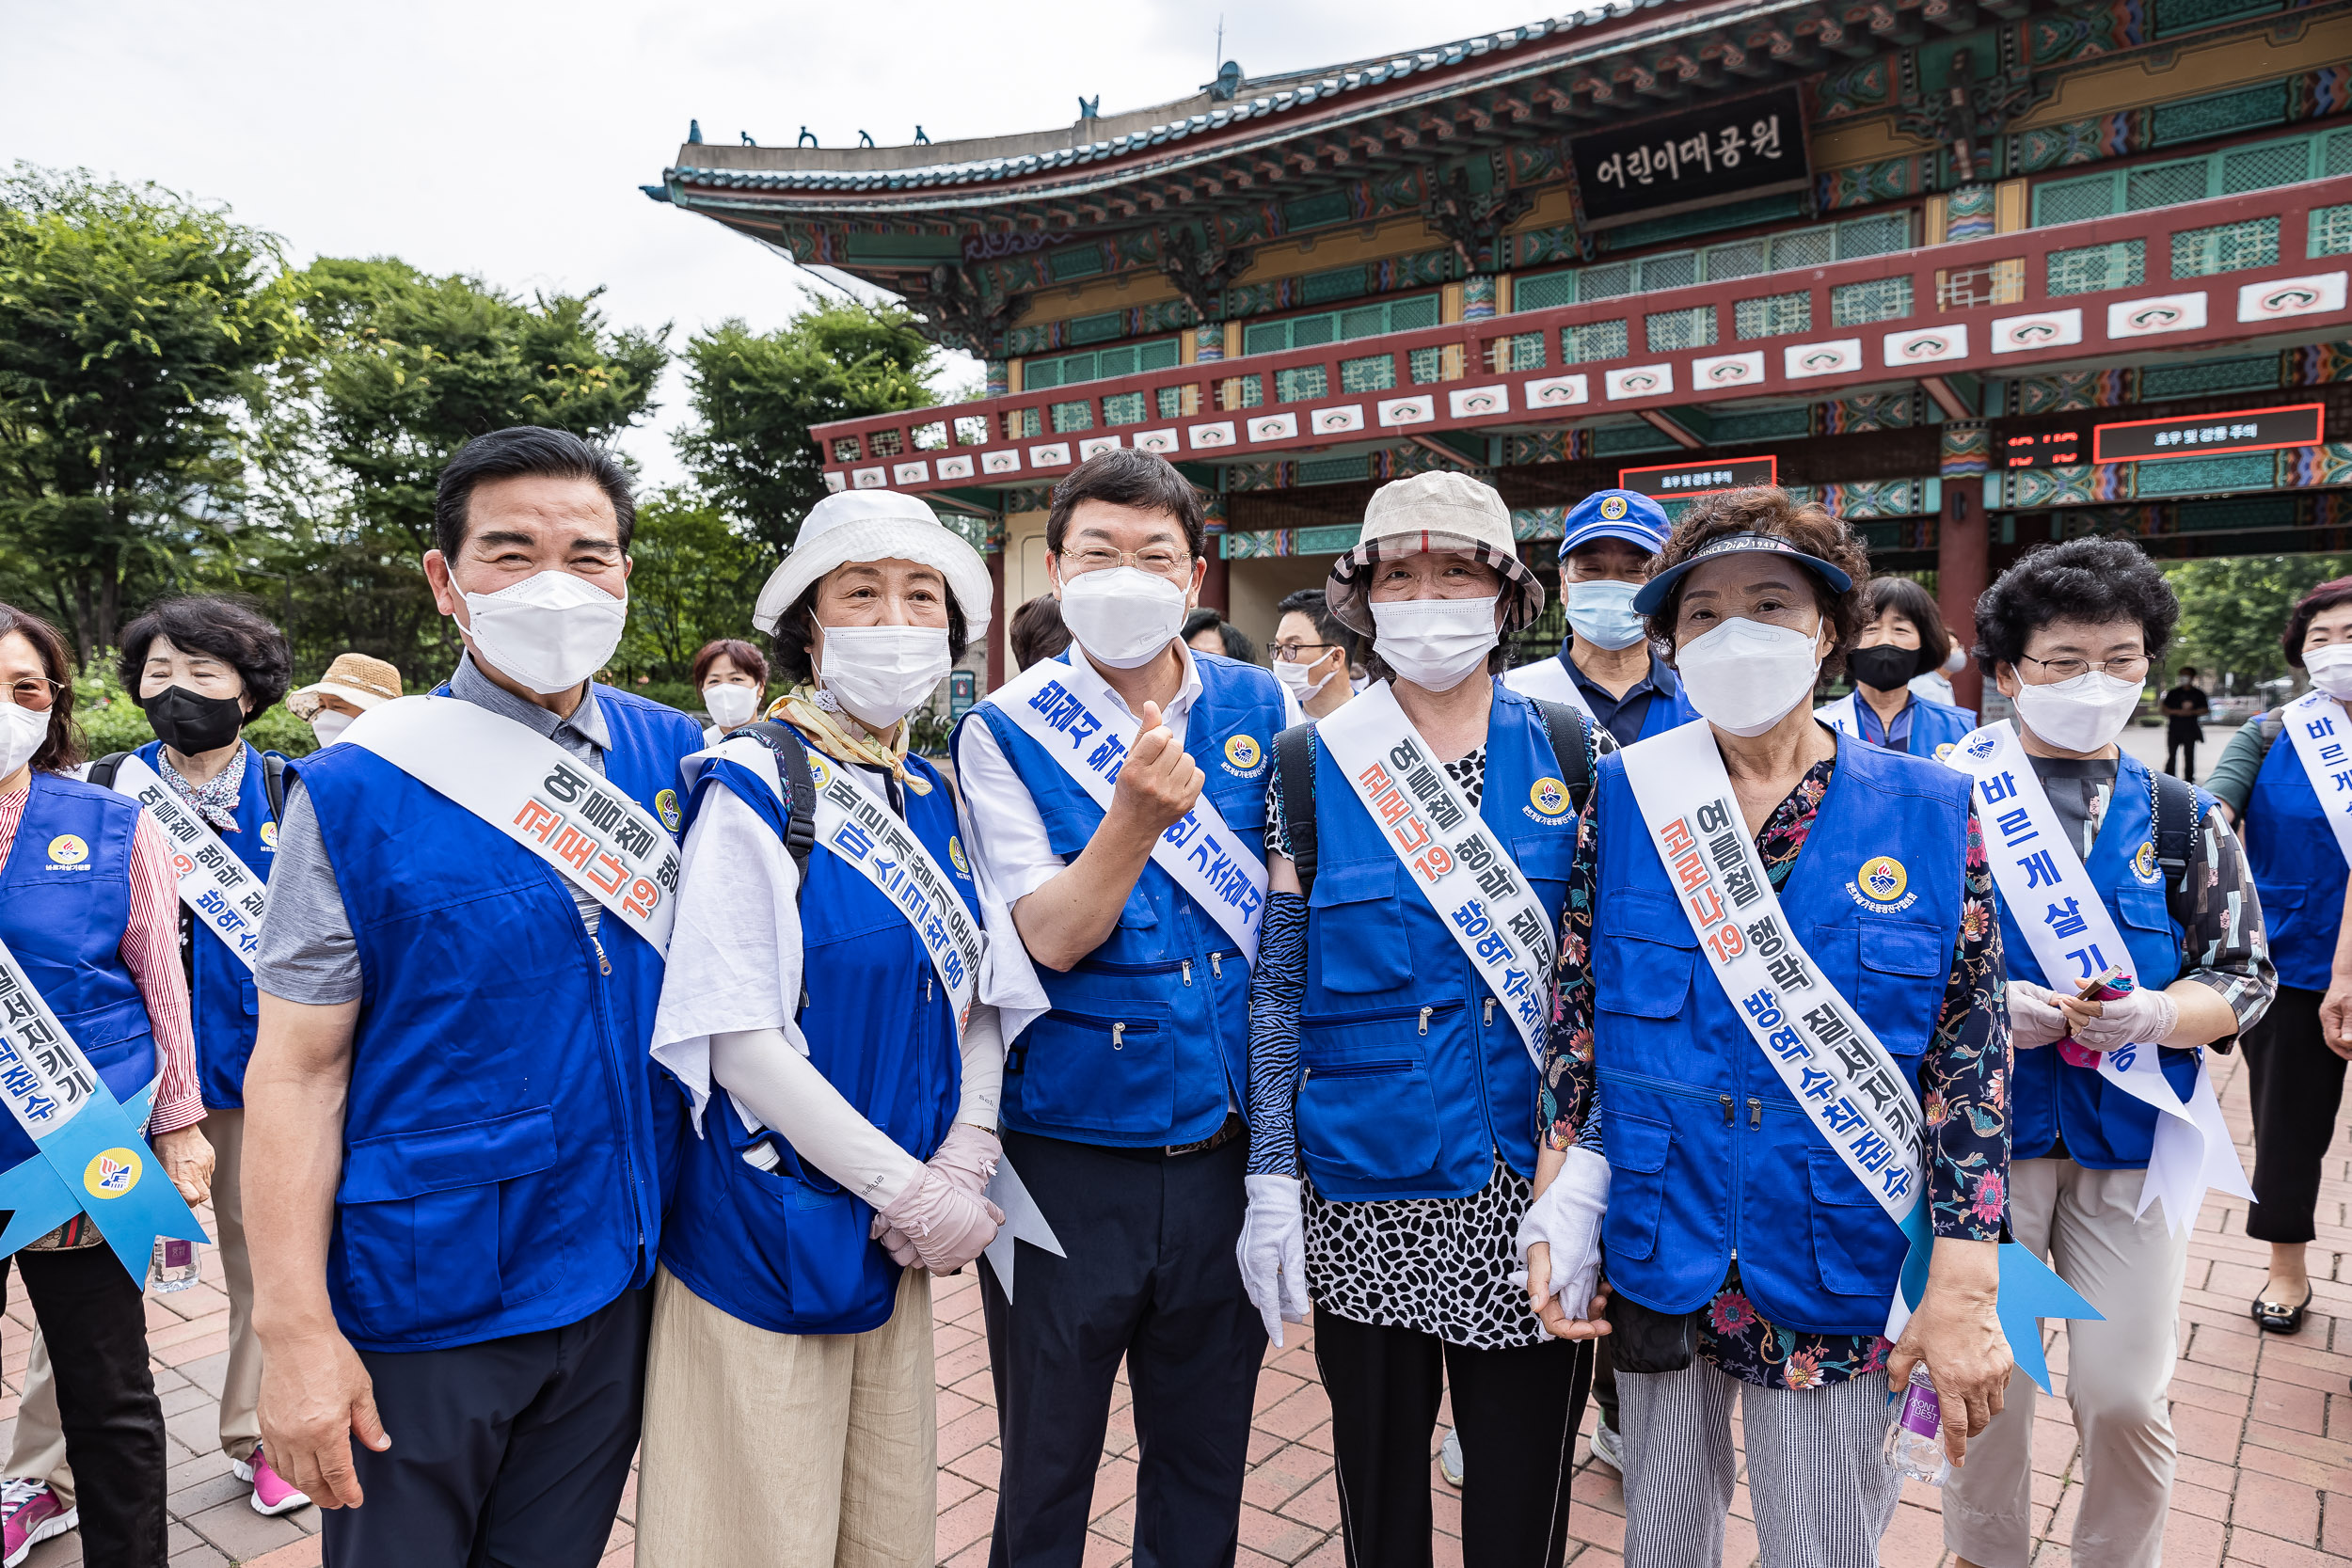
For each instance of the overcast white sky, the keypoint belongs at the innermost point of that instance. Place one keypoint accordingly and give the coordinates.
(508, 140)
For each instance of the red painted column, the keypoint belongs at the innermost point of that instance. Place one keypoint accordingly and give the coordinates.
(1963, 546)
(996, 621)
(1217, 583)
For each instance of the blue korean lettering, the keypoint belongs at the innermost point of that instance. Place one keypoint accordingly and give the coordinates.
(1764, 1007)
(2066, 919)
(2041, 871)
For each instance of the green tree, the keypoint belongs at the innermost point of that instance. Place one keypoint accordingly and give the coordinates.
(138, 335)
(756, 395)
(2233, 608)
(697, 578)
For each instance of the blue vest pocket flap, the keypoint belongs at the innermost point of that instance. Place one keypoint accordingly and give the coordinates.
(1638, 1149)
(1904, 965)
(1137, 913)
(1545, 857)
(1855, 1246)
(1108, 1072)
(1907, 947)
(1642, 955)
(1358, 934)
(106, 1025)
(437, 1159)
(1370, 1120)
(2143, 908)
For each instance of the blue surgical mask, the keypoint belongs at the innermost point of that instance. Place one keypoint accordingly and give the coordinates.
(1603, 613)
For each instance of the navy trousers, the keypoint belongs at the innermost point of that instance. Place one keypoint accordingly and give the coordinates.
(511, 1454)
(1151, 1277)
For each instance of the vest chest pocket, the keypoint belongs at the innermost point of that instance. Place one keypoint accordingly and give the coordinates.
(1904, 965)
(1643, 954)
(1356, 927)
(1637, 1148)
(1107, 1072)
(1367, 1109)
(2143, 908)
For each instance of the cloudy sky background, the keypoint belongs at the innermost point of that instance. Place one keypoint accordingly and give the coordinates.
(508, 140)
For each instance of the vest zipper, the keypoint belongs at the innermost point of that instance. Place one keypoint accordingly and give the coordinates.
(1727, 1104)
(1755, 1112)
(1187, 971)
(604, 964)
(1424, 1018)
(1489, 1019)
(1119, 1037)
(1216, 966)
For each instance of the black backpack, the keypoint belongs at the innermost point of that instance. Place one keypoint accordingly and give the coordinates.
(799, 788)
(2176, 830)
(1569, 731)
(103, 771)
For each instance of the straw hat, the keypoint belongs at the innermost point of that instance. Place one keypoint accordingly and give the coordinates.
(876, 525)
(361, 681)
(1443, 512)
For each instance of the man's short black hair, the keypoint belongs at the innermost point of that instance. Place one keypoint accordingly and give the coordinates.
(1125, 476)
(525, 449)
(230, 631)
(2093, 580)
(1329, 630)
(2187, 670)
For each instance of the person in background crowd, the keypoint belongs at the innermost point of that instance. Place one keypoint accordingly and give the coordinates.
(1314, 654)
(203, 667)
(844, 1106)
(451, 1092)
(1389, 1192)
(2069, 634)
(2183, 707)
(1902, 634)
(351, 684)
(732, 676)
(1936, 685)
(2295, 1057)
(89, 910)
(1121, 1106)
(1608, 668)
(1208, 631)
(1036, 632)
(1671, 1133)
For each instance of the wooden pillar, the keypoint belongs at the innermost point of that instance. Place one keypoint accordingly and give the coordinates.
(997, 622)
(1216, 592)
(1964, 548)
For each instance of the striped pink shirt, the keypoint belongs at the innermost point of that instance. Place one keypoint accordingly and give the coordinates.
(150, 950)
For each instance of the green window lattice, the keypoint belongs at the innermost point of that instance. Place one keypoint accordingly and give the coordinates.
(1878, 300)
(1774, 315)
(2225, 247)
(2121, 266)
(1593, 340)
(1669, 330)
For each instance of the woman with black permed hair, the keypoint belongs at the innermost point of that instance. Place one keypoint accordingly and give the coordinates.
(2078, 831)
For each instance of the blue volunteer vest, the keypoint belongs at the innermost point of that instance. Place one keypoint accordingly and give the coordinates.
(1710, 1156)
(787, 1250)
(227, 1005)
(1666, 710)
(64, 902)
(1414, 1074)
(2050, 1098)
(1934, 727)
(2290, 847)
(505, 1162)
(1148, 1041)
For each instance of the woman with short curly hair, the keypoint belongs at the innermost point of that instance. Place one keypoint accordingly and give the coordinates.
(1749, 892)
(2069, 634)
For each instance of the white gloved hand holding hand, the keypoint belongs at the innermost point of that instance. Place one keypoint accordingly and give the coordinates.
(1273, 1252)
(2137, 1018)
(1566, 1218)
(968, 1157)
(2035, 1017)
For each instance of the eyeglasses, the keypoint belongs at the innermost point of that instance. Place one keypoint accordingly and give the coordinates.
(1288, 652)
(1158, 561)
(2135, 668)
(36, 693)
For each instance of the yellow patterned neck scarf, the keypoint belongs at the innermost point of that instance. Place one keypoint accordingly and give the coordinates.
(843, 740)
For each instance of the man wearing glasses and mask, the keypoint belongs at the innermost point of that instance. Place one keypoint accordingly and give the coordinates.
(1117, 804)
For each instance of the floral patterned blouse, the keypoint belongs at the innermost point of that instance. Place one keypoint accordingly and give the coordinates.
(1963, 1083)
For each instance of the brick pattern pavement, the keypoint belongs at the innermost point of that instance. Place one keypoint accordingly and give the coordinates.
(2265, 1426)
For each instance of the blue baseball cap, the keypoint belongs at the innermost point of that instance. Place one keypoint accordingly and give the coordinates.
(1652, 598)
(1616, 514)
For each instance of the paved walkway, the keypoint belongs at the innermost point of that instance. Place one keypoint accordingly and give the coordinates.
(2264, 1428)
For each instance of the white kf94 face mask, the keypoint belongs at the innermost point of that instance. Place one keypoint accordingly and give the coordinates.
(1293, 674)
(1436, 643)
(1123, 616)
(730, 705)
(879, 673)
(1745, 675)
(2330, 669)
(550, 631)
(2080, 714)
(329, 724)
(22, 730)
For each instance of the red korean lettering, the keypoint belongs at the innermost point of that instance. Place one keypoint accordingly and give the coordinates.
(1708, 906)
(1391, 807)
(1374, 779)
(608, 872)
(641, 899)
(574, 848)
(1412, 836)
(1438, 863)
(538, 819)
(1727, 943)
(1691, 871)
(1676, 837)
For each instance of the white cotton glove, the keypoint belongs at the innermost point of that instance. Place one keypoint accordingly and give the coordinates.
(2140, 1017)
(968, 1157)
(1565, 1216)
(2034, 1016)
(1272, 1252)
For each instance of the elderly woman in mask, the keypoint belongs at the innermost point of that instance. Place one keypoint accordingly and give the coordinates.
(819, 1008)
(1415, 867)
(1779, 1033)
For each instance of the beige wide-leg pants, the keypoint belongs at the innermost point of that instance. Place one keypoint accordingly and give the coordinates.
(2117, 1371)
(37, 1452)
(793, 1450)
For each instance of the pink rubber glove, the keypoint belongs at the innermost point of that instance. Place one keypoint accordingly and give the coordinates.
(2034, 1016)
(968, 1156)
(946, 1226)
(2137, 1018)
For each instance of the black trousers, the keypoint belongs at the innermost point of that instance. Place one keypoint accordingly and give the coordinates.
(1151, 1277)
(1515, 1412)
(94, 1318)
(2187, 751)
(2298, 1085)
(511, 1454)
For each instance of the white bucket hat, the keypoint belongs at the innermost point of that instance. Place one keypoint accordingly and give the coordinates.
(876, 525)
(1441, 512)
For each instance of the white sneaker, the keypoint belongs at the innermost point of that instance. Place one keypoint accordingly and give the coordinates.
(1609, 1447)
(1450, 1458)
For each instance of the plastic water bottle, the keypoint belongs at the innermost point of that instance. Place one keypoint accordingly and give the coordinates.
(1914, 1440)
(174, 1268)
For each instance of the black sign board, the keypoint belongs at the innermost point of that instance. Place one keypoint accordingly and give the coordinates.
(1748, 147)
(2045, 449)
(2203, 435)
(1700, 479)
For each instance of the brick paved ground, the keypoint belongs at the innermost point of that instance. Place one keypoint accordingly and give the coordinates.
(2265, 1426)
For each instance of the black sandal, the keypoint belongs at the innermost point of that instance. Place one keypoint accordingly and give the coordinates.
(2274, 1317)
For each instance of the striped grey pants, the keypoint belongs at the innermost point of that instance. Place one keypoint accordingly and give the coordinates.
(1821, 1492)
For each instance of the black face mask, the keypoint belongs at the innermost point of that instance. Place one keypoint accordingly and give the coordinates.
(190, 722)
(1884, 667)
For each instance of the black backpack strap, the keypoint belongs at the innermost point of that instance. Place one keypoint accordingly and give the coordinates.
(1295, 776)
(102, 772)
(800, 787)
(1571, 735)
(2176, 834)
(273, 784)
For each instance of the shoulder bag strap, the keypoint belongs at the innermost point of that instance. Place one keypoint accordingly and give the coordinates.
(102, 772)
(1295, 775)
(273, 784)
(2176, 830)
(799, 785)
(1571, 747)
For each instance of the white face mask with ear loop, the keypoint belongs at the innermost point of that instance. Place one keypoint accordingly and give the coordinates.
(1744, 677)
(22, 732)
(1123, 616)
(1435, 643)
(329, 724)
(550, 631)
(1294, 676)
(2083, 712)
(2329, 667)
(880, 673)
(730, 704)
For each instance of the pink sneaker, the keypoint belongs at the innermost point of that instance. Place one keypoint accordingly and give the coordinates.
(273, 1494)
(30, 1514)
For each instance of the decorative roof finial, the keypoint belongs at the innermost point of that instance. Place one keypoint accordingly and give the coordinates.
(1227, 84)
(747, 138)
(1088, 108)
(865, 138)
(695, 130)
(920, 140)
(806, 140)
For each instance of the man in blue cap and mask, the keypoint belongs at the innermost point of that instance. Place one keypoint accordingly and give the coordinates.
(1608, 668)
